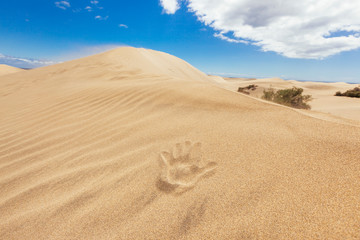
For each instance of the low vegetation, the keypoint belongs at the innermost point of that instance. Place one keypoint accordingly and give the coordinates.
(291, 97)
(246, 90)
(354, 93)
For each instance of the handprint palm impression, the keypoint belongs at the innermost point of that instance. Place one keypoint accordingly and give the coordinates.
(183, 168)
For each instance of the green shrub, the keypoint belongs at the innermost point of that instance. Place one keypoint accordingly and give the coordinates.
(245, 90)
(269, 94)
(291, 97)
(355, 93)
(338, 93)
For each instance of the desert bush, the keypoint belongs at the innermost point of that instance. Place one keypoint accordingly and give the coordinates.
(338, 93)
(291, 97)
(245, 90)
(269, 94)
(355, 93)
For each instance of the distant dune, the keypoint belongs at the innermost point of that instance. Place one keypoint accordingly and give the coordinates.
(5, 69)
(138, 144)
(323, 101)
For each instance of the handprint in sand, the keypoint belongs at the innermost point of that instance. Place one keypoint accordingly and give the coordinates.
(182, 168)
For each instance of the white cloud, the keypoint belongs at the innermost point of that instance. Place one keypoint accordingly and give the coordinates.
(95, 3)
(123, 26)
(77, 10)
(223, 37)
(296, 29)
(101, 18)
(63, 4)
(170, 6)
(88, 8)
(24, 62)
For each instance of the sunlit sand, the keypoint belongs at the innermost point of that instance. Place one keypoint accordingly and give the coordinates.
(138, 144)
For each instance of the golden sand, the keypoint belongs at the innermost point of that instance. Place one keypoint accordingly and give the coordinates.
(323, 94)
(5, 69)
(138, 144)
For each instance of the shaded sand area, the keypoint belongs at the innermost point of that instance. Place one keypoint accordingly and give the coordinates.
(323, 94)
(137, 144)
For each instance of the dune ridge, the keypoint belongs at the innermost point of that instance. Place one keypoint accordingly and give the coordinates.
(5, 69)
(83, 143)
(323, 101)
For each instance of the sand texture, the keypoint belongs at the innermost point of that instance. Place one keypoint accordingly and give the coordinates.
(138, 144)
(5, 70)
(323, 94)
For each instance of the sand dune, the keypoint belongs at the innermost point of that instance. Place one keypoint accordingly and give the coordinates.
(138, 144)
(323, 94)
(5, 69)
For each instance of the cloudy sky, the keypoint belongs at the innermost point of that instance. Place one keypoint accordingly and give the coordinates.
(304, 40)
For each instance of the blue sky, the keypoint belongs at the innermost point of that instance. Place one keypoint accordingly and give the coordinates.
(247, 44)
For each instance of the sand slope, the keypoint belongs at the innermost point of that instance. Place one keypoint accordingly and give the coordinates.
(137, 144)
(5, 69)
(323, 94)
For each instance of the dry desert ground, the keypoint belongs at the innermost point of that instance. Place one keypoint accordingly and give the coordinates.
(138, 144)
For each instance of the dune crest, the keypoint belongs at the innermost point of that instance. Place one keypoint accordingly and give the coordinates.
(5, 69)
(81, 142)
